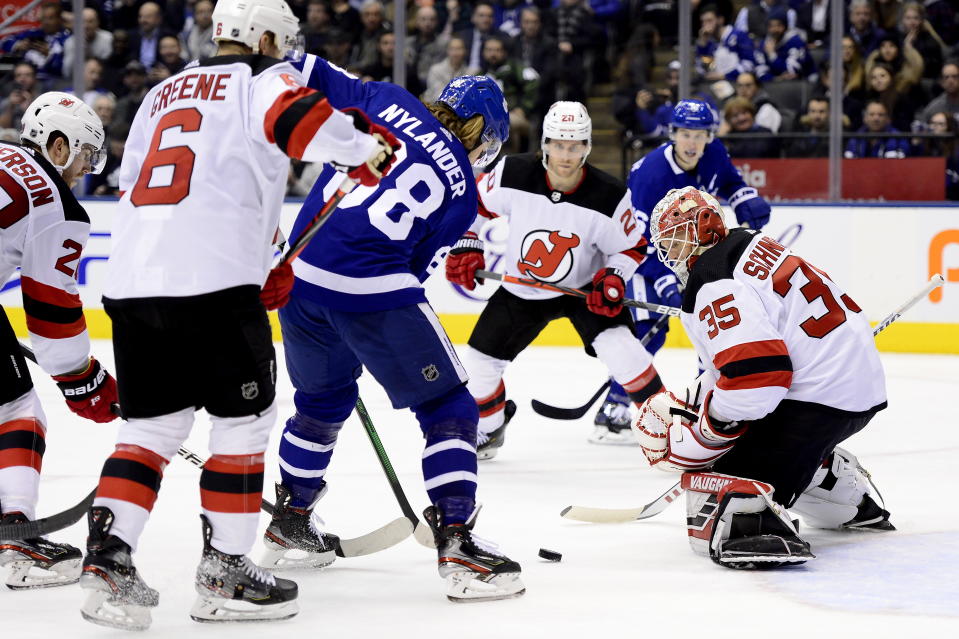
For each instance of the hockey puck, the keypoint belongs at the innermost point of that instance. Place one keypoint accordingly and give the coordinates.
(550, 555)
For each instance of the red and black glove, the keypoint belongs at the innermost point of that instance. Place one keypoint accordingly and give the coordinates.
(91, 393)
(608, 292)
(372, 171)
(276, 291)
(464, 259)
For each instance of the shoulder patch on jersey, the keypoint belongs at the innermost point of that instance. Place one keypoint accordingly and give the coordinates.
(599, 191)
(257, 63)
(718, 263)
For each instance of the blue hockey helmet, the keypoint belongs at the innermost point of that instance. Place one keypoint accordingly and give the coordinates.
(471, 95)
(692, 114)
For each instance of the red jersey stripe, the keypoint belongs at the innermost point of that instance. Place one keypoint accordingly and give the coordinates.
(53, 330)
(757, 380)
(11, 457)
(235, 464)
(305, 131)
(230, 502)
(127, 490)
(28, 425)
(763, 348)
(49, 294)
(142, 455)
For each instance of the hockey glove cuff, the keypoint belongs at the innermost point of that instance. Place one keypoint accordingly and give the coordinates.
(464, 259)
(609, 289)
(276, 291)
(90, 393)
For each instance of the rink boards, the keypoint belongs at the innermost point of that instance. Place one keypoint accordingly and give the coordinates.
(882, 254)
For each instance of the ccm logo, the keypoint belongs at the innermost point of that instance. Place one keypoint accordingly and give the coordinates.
(937, 250)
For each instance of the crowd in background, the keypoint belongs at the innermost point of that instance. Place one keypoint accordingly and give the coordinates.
(762, 64)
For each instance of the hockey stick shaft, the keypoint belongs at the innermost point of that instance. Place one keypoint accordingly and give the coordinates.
(609, 515)
(420, 531)
(575, 292)
(321, 218)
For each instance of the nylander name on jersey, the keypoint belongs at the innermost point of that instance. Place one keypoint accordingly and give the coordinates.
(379, 245)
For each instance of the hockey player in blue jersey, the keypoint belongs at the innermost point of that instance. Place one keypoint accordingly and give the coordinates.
(358, 301)
(693, 157)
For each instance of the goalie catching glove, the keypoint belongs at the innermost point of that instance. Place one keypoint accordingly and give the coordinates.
(681, 436)
(378, 164)
(90, 393)
(464, 259)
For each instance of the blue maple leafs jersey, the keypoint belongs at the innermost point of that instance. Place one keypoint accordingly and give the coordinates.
(378, 246)
(655, 174)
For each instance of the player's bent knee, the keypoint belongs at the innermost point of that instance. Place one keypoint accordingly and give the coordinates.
(245, 435)
(313, 430)
(453, 415)
(332, 405)
(162, 435)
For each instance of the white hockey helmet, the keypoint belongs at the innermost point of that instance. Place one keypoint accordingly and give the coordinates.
(567, 121)
(244, 21)
(59, 112)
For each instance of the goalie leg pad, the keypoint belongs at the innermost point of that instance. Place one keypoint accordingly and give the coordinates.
(735, 522)
(842, 496)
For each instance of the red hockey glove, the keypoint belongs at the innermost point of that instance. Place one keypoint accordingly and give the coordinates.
(464, 259)
(609, 289)
(378, 164)
(91, 393)
(276, 291)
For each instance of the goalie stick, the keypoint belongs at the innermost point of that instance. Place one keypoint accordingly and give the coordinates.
(555, 412)
(658, 505)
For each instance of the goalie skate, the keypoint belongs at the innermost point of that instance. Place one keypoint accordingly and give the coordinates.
(117, 595)
(488, 444)
(38, 563)
(233, 588)
(612, 426)
(473, 568)
(292, 540)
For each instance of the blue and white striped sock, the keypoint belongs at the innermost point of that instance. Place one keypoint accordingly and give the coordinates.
(305, 452)
(449, 470)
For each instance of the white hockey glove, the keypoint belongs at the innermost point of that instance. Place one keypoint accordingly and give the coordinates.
(676, 438)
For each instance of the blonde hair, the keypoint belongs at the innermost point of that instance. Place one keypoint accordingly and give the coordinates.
(468, 131)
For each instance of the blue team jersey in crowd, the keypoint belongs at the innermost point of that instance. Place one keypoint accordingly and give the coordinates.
(655, 174)
(379, 245)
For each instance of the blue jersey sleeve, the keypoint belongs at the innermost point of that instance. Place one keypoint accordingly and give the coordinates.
(341, 88)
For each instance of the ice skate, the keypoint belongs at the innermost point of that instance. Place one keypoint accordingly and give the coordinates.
(490, 443)
(612, 426)
(233, 588)
(473, 568)
(37, 563)
(763, 551)
(116, 594)
(292, 540)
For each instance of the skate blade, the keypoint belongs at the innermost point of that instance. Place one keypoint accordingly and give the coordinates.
(762, 562)
(468, 587)
(882, 525)
(279, 557)
(221, 610)
(604, 437)
(487, 454)
(26, 575)
(99, 609)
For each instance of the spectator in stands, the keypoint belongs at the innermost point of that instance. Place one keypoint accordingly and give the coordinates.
(813, 17)
(145, 41)
(135, 85)
(42, 47)
(574, 37)
(645, 112)
(754, 18)
(347, 19)
(722, 52)
(876, 120)
(905, 62)
(948, 100)
(943, 18)
(381, 69)
(815, 124)
(106, 183)
(739, 116)
(483, 27)
(851, 103)
(92, 81)
(862, 27)
(169, 60)
(105, 106)
(900, 105)
(917, 33)
(635, 64)
(374, 24)
(534, 49)
(319, 21)
(24, 90)
(887, 13)
(853, 67)
(948, 147)
(99, 42)
(452, 66)
(510, 16)
(427, 44)
(338, 48)
(767, 115)
(662, 15)
(782, 53)
(520, 86)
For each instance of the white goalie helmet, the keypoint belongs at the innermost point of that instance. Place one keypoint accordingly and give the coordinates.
(567, 121)
(58, 112)
(244, 21)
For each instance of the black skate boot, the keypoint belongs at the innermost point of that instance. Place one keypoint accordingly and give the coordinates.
(38, 562)
(474, 570)
(613, 425)
(759, 541)
(292, 540)
(490, 443)
(117, 595)
(233, 588)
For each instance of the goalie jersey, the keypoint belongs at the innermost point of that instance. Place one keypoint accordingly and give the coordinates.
(773, 327)
(379, 245)
(43, 230)
(560, 237)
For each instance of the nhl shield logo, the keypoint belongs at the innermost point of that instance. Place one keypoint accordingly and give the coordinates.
(555, 196)
(431, 373)
(250, 390)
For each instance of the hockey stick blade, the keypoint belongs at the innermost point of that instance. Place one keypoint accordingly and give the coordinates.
(555, 412)
(620, 515)
(46, 525)
(380, 539)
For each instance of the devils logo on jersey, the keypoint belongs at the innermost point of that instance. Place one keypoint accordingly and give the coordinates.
(547, 255)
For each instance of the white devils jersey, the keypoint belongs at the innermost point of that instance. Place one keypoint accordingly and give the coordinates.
(43, 230)
(775, 327)
(204, 173)
(556, 237)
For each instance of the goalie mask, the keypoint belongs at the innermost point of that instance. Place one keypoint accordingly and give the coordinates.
(244, 21)
(58, 112)
(684, 224)
(567, 121)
